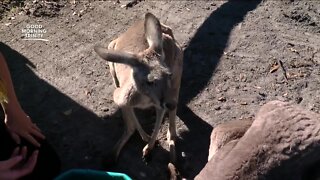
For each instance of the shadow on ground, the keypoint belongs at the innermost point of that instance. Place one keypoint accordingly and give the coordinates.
(85, 137)
(201, 58)
(51, 110)
(80, 137)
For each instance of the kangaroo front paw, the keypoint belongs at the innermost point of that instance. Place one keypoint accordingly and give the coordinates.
(173, 172)
(146, 154)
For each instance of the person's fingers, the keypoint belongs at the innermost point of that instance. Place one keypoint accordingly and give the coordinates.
(5, 165)
(15, 137)
(15, 152)
(37, 134)
(24, 152)
(27, 168)
(36, 127)
(32, 140)
(30, 164)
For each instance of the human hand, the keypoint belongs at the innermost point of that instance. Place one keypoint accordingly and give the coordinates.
(19, 125)
(17, 121)
(15, 168)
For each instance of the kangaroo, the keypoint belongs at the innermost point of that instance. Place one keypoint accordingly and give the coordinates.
(281, 143)
(146, 66)
(226, 132)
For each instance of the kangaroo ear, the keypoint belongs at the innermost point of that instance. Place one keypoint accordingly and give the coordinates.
(153, 32)
(117, 56)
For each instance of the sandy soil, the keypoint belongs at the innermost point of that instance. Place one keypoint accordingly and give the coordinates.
(232, 52)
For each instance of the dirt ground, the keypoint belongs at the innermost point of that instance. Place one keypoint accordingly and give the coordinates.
(238, 55)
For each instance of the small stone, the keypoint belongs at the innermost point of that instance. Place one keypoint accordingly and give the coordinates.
(262, 94)
(222, 99)
(80, 13)
(87, 92)
(89, 72)
(217, 108)
(183, 154)
(244, 103)
(299, 99)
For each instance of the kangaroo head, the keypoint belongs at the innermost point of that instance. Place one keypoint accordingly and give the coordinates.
(150, 72)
